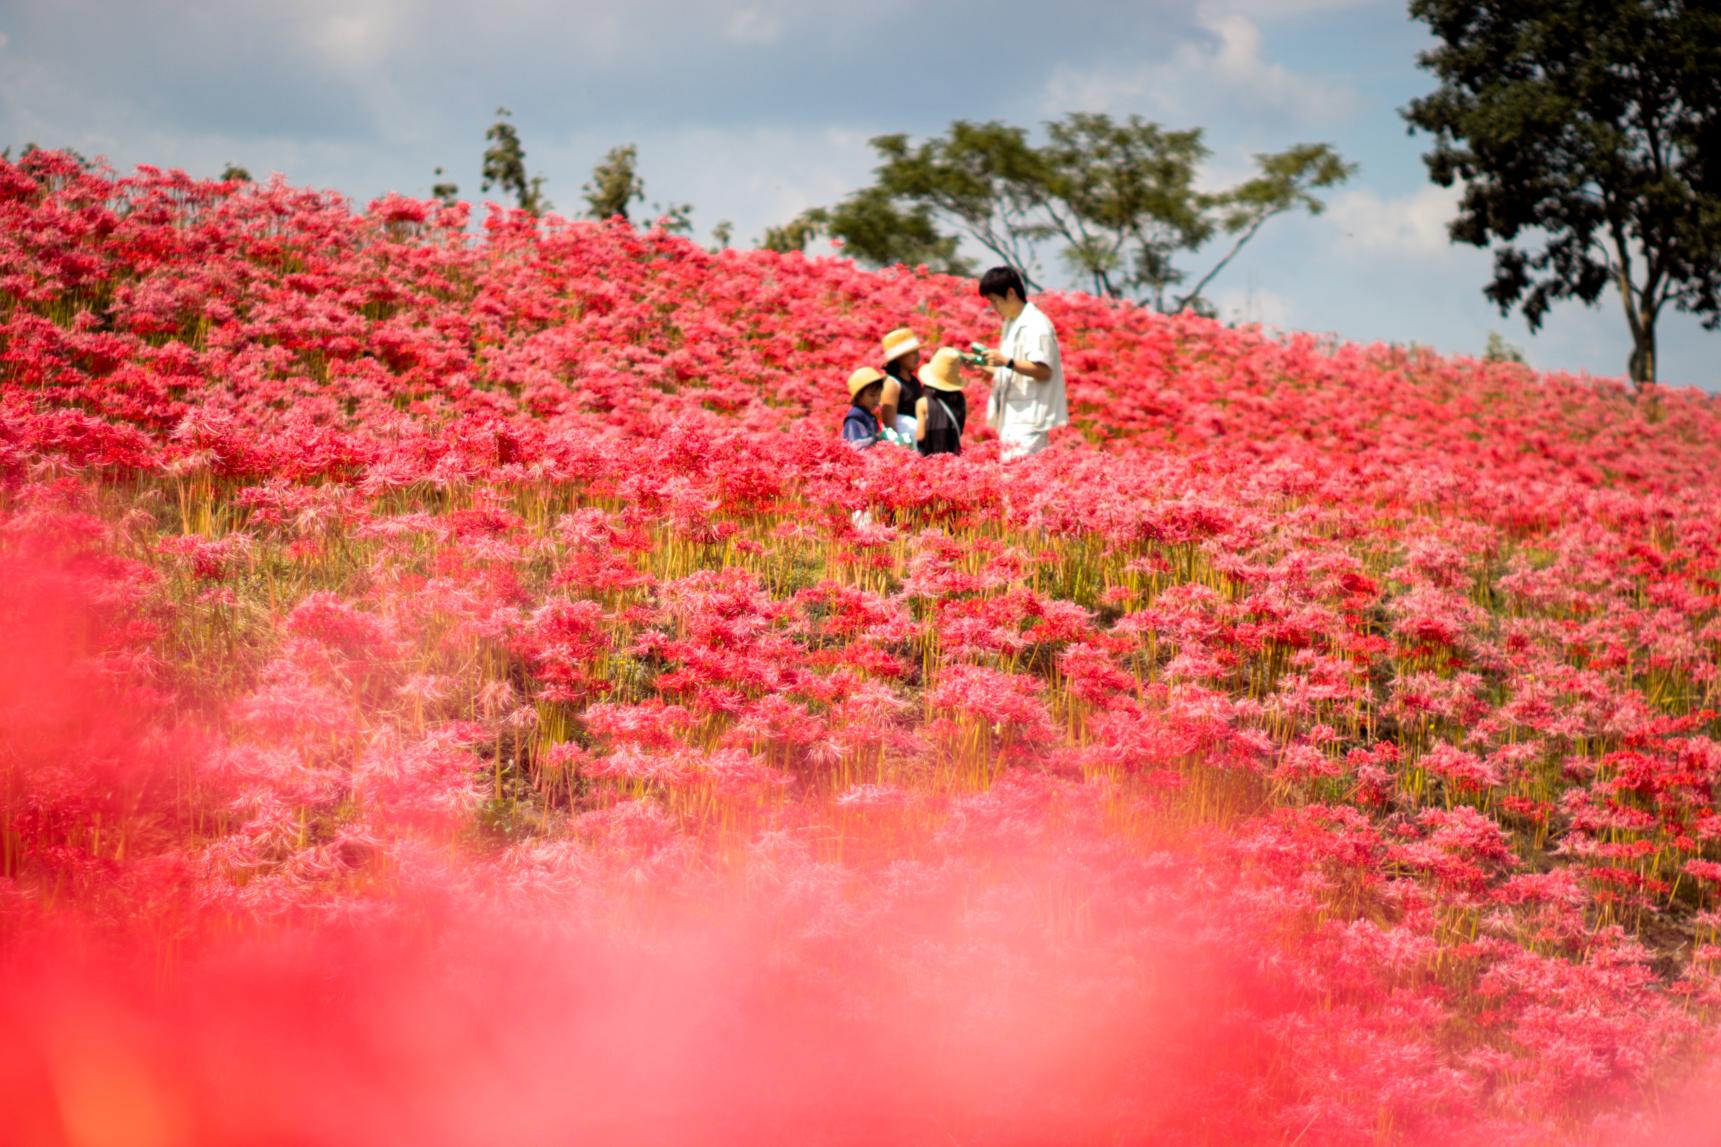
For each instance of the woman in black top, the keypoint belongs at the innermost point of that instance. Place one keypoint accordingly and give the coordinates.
(942, 412)
(902, 389)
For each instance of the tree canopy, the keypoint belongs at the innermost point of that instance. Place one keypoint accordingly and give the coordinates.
(1586, 137)
(1119, 198)
(505, 166)
(615, 184)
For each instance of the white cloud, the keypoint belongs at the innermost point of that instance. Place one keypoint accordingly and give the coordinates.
(353, 37)
(1271, 10)
(752, 25)
(1407, 227)
(1227, 69)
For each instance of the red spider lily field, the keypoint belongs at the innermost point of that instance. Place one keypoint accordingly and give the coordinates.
(459, 689)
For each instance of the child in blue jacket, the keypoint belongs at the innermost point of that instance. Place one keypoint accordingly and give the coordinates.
(860, 424)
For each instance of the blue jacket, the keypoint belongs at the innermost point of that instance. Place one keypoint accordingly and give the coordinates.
(860, 428)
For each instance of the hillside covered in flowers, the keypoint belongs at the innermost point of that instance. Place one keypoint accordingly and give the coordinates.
(450, 697)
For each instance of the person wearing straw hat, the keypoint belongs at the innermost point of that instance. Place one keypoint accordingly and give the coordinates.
(860, 424)
(942, 412)
(902, 386)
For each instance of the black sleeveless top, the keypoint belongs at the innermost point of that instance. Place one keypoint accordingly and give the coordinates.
(946, 416)
(911, 388)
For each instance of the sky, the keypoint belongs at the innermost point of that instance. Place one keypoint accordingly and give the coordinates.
(752, 110)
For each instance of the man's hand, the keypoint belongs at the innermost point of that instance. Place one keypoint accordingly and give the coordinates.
(1038, 371)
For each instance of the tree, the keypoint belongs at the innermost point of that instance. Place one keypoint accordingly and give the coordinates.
(797, 232)
(1119, 196)
(674, 218)
(1499, 350)
(233, 173)
(505, 166)
(876, 232)
(1122, 197)
(981, 179)
(445, 189)
(615, 184)
(1584, 135)
(722, 234)
(1284, 185)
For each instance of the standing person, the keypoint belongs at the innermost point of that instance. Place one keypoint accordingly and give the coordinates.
(901, 387)
(1027, 401)
(860, 424)
(942, 412)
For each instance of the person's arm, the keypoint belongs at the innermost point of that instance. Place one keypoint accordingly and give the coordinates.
(1038, 371)
(887, 405)
(920, 411)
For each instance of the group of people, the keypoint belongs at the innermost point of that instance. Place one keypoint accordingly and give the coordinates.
(919, 403)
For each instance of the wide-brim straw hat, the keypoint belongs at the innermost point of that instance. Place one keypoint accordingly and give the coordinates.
(898, 343)
(863, 378)
(944, 372)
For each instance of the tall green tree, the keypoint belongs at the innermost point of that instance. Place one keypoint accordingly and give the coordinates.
(505, 166)
(1586, 138)
(615, 184)
(1119, 198)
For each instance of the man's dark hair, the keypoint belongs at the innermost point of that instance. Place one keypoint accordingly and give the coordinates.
(1000, 281)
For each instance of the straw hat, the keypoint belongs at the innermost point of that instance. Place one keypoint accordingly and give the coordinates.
(863, 378)
(944, 372)
(898, 343)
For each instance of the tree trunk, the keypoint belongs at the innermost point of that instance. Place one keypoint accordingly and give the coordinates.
(1640, 316)
(1642, 364)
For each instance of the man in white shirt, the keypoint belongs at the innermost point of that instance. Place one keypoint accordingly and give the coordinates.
(1027, 401)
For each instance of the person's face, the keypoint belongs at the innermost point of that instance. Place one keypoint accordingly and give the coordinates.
(1004, 306)
(911, 360)
(869, 398)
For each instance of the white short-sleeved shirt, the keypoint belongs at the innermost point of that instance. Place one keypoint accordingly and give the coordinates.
(1019, 402)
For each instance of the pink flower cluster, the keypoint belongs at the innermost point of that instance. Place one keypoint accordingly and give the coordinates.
(450, 696)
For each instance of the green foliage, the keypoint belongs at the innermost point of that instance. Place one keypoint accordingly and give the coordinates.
(1499, 350)
(1119, 197)
(675, 218)
(1122, 197)
(615, 184)
(505, 166)
(980, 178)
(1286, 183)
(445, 189)
(1586, 135)
(877, 232)
(797, 232)
(722, 235)
(234, 173)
